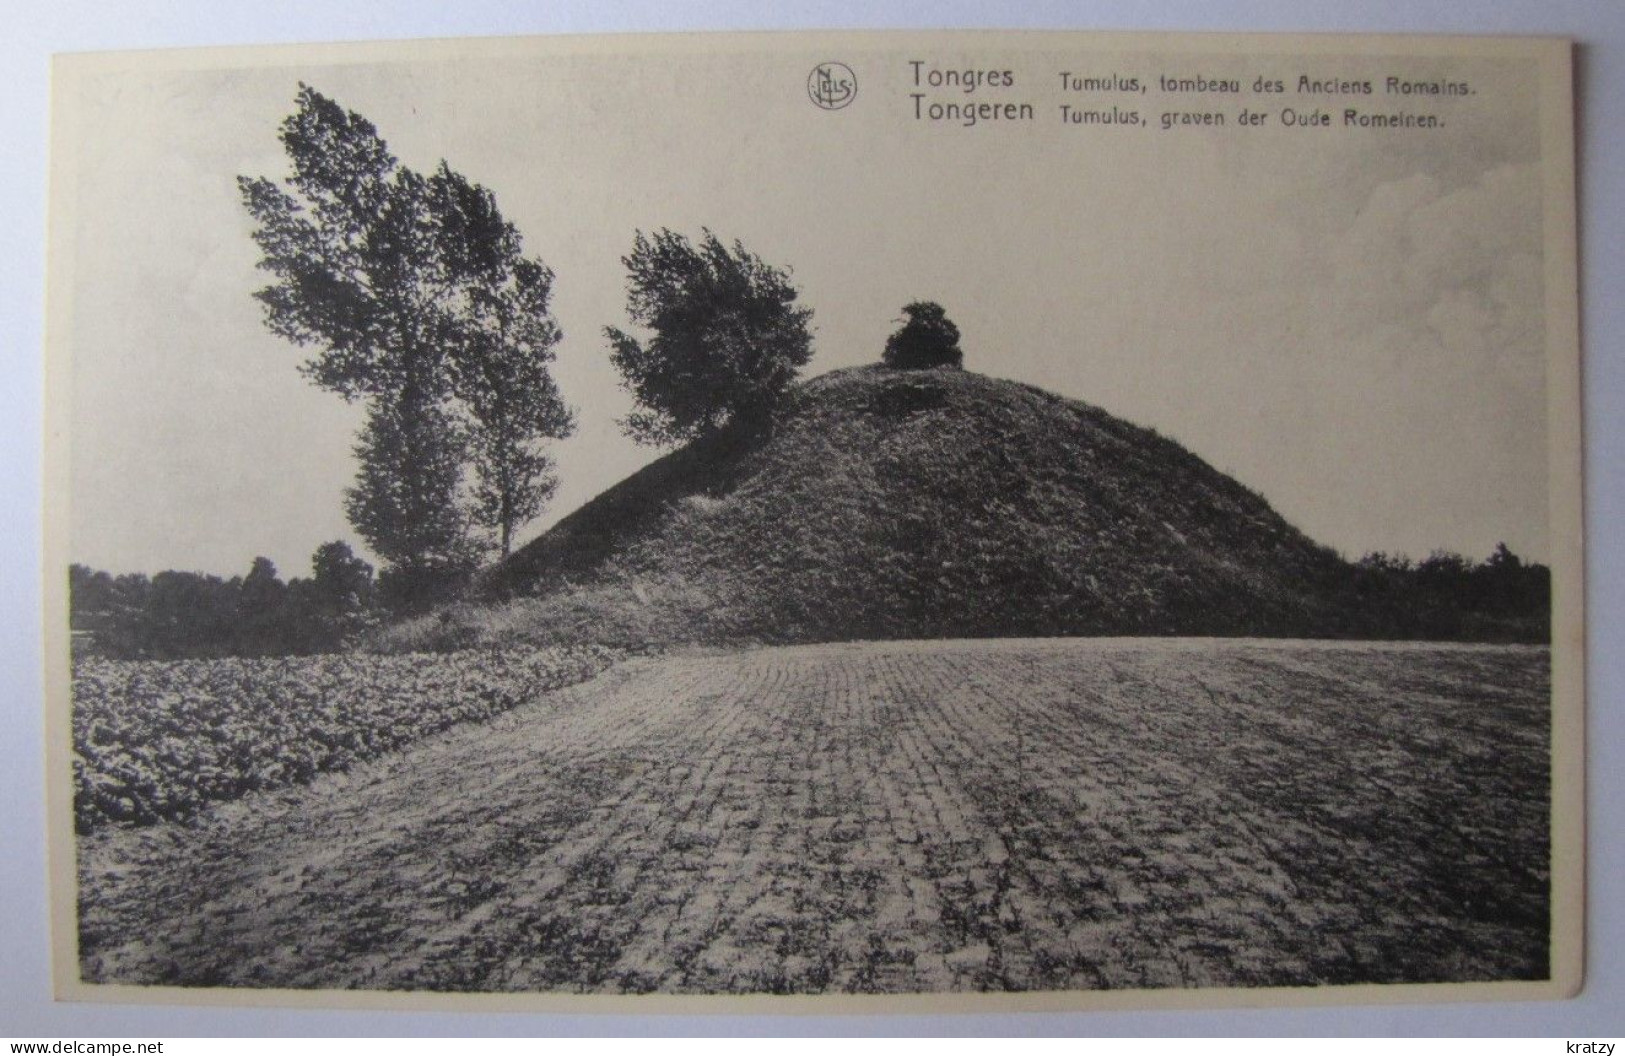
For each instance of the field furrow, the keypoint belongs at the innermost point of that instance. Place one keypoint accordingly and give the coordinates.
(890, 817)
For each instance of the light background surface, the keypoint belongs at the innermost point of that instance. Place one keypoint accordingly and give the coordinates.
(1369, 303)
(26, 1008)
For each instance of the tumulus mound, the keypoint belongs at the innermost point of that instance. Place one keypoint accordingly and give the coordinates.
(922, 504)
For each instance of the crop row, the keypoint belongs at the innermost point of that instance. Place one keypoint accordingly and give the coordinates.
(160, 739)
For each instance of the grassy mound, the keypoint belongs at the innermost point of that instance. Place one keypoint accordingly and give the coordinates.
(919, 504)
(914, 504)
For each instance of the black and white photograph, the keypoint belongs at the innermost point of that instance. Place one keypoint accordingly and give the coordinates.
(837, 520)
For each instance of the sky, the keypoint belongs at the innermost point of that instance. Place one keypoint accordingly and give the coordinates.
(1349, 322)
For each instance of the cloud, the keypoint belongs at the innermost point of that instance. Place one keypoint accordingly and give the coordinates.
(1452, 269)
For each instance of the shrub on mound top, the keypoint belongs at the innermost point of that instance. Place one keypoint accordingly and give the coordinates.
(928, 338)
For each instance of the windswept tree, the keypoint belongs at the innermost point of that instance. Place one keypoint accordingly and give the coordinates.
(350, 239)
(417, 298)
(726, 342)
(506, 336)
(927, 338)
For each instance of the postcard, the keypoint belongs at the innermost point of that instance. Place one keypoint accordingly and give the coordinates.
(816, 522)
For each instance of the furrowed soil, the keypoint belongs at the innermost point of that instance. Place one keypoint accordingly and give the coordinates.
(894, 817)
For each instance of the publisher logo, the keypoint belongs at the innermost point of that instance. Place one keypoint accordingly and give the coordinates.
(832, 85)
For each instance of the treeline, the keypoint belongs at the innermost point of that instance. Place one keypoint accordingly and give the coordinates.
(184, 615)
(1450, 597)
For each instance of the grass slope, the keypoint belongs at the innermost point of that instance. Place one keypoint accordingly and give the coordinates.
(921, 504)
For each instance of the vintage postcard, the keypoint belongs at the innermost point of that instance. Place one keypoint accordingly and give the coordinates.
(813, 522)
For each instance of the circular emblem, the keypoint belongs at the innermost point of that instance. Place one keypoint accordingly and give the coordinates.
(832, 85)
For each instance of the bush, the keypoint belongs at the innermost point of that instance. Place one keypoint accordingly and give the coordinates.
(927, 339)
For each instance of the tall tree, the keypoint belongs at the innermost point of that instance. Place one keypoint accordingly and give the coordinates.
(506, 336)
(727, 339)
(416, 296)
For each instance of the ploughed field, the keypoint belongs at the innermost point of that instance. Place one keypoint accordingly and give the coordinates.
(895, 817)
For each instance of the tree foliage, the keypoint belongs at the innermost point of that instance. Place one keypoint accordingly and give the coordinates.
(341, 594)
(340, 581)
(350, 243)
(414, 293)
(405, 501)
(927, 338)
(727, 338)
